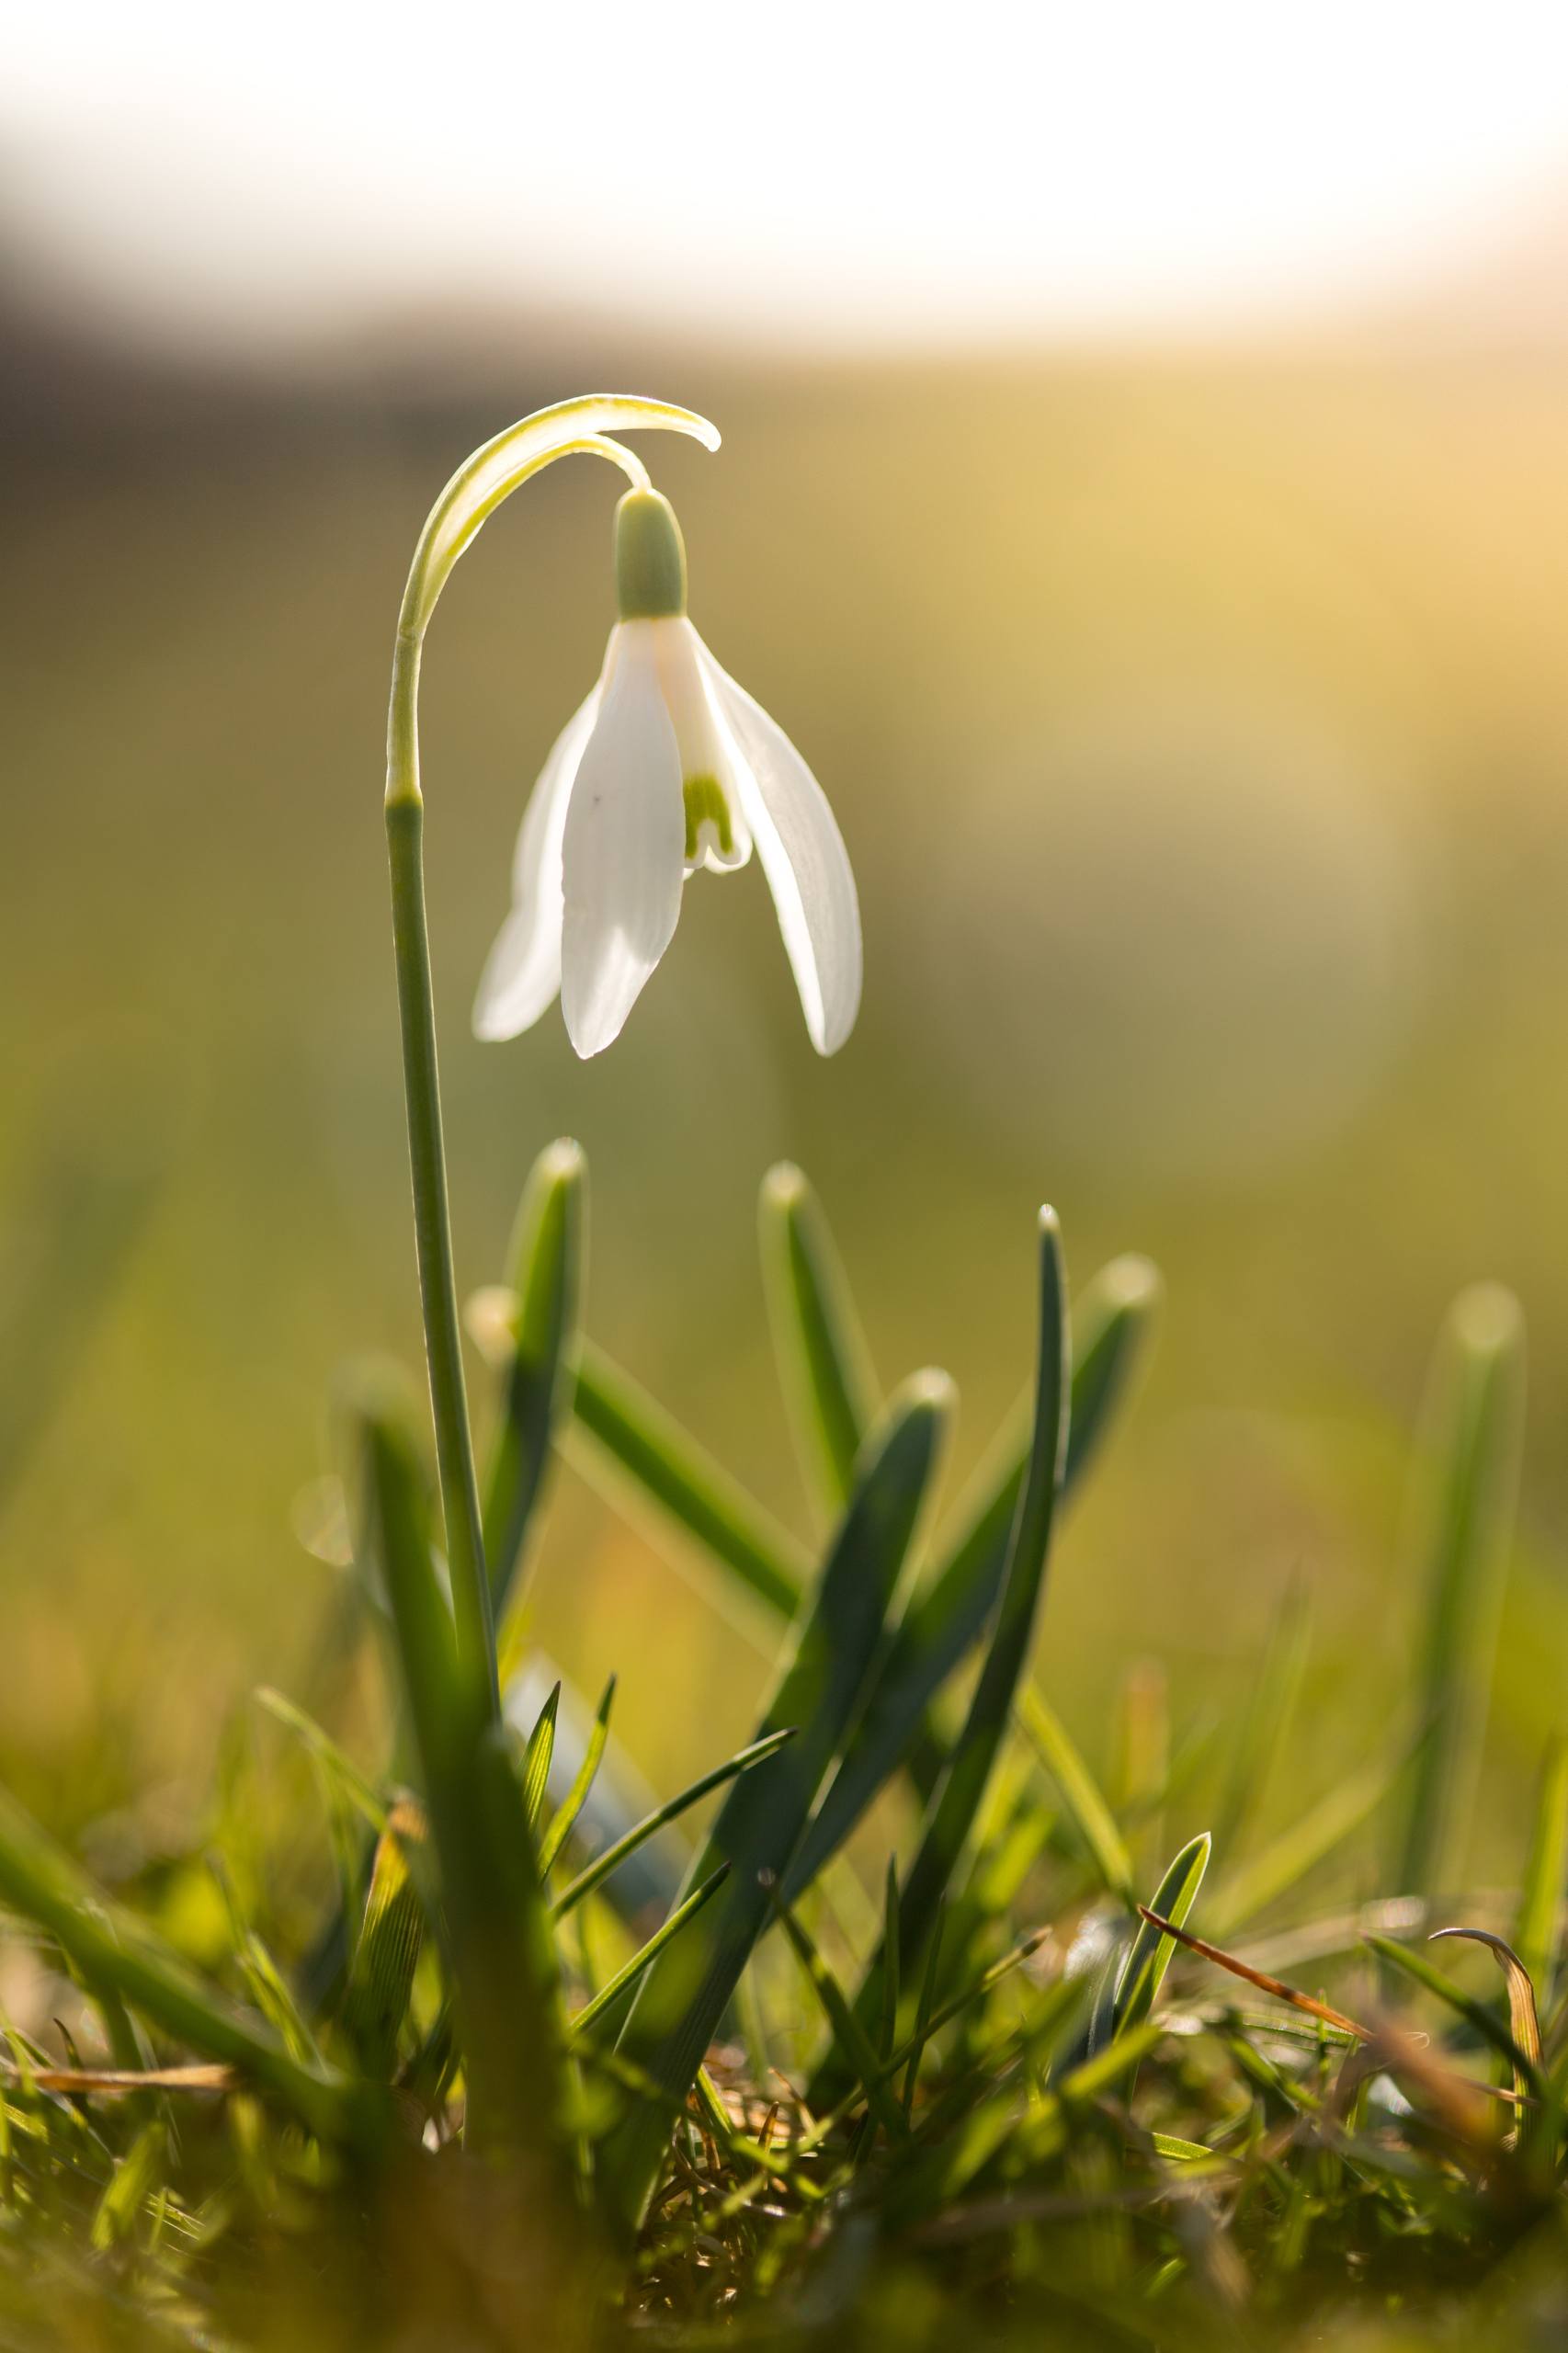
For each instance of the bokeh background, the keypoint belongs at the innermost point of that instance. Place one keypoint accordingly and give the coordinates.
(1144, 497)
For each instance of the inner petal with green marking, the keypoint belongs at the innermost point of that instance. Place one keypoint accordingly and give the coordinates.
(716, 832)
(706, 804)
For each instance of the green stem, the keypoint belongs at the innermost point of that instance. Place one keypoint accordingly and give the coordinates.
(432, 1219)
(479, 486)
(503, 1956)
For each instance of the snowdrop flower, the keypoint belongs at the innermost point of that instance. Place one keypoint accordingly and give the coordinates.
(668, 767)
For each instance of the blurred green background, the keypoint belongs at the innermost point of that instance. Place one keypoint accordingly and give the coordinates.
(1198, 722)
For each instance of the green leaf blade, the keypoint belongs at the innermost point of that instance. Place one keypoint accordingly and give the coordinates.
(1080, 1793)
(680, 2002)
(537, 1317)
(1149, 1955)
(644, 1449)
(948, 1616)
(1475, 1417)
(824, 1362)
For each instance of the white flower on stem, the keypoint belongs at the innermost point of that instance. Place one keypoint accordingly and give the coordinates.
(668, 767)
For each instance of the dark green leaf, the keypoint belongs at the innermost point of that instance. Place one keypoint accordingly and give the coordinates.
(538, 1330)
(860, 2060)
(508, 1998)
(946, 1617)
(957, 1799)
(682, 1999)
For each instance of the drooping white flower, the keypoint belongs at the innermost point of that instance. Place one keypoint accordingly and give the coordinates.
(668, 767)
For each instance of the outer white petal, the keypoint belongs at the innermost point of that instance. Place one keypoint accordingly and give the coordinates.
(522, 974)
(623, 854)
(805, 861)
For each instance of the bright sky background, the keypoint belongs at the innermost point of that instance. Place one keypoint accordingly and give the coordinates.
(838, 171)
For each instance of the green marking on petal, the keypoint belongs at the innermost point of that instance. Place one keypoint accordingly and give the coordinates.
(705, 799)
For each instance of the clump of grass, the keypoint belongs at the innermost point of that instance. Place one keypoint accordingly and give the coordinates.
(1034, 2099)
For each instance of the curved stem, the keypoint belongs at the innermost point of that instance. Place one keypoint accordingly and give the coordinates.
(472, 495)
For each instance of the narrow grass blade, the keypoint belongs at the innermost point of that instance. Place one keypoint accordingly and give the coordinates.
(386, 1953)
(617, 1797)
(1523, 2019)
(823, 1363)
(536, 1759)
(926, 2005)
(503, 1956)
(576, 1797)
(963, 1787)
(595, 1873)
(861, 2058)
(338, 1770)
(610, 1996)
(982, 2116)
(1473, 1415)
(1080, 1793)
(986, 1982)
(536, 1331)
(113, 1949)
(650, 1455)
(1012, 1833)
(1149, 1957)
(270, 1991)
(1476, 2015)
(1538, 1933)
(715, 2116)
(948, 1616)
(951, 1817)
(680, 2002)
(1120, 2057)
(1266, 1715)
(132, 2183)
(942, 2174)
(891, 1957)
(1004, 2059)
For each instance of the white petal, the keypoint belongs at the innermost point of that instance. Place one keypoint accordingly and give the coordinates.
(522, 974)
(623, 851)
(805, 861)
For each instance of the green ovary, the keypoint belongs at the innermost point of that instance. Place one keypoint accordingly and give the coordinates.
(705, 799)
